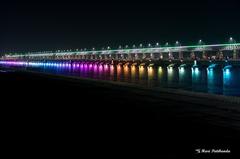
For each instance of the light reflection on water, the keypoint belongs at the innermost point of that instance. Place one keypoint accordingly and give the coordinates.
(216, 81)
(185, 78)
(126, 74)
(172, 77)
(142, 75)
(133, 74)
(231, 84)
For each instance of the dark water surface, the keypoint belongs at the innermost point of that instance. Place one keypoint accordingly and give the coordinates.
(130, 122)
(214, 81)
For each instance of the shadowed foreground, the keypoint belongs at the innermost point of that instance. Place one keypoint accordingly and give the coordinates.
(67, 116)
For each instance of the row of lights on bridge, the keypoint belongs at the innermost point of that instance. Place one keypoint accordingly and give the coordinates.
(177, 43)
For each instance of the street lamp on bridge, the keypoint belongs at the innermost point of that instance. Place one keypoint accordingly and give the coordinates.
(166, 44)
(200, 42)
(177, 43)
(231, 40)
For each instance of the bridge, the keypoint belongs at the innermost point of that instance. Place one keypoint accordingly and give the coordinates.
(200, 51)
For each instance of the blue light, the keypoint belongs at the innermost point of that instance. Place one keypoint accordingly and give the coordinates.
(209, 69)
(196, 70)
(227, 71)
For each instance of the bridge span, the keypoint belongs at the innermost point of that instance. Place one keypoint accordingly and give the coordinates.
(229, 51)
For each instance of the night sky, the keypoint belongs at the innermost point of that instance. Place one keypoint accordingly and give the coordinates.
(52, 25)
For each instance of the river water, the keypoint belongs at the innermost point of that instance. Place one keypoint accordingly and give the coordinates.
(216, 81)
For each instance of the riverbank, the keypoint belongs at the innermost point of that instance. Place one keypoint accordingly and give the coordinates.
(120, 119)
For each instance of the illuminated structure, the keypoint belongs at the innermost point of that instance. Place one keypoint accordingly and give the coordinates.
(177, 52)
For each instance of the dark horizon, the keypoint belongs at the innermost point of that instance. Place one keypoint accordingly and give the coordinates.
(33, 26)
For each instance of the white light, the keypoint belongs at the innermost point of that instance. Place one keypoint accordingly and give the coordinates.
(196, 70)
(227, 70)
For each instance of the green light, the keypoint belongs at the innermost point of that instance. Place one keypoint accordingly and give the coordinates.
(127, 49)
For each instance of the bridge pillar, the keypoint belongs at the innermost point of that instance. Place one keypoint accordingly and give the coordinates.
(117, 57)
(136, 57)
(144, 56)
(221, 55)
(180, 55)
(108, 57)
(204, 55)
(122, 56)
(170, 55)
(192, 55)
(161, 56)
(114, 56)
(235, 54)
(152, 57)
(129, 56)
